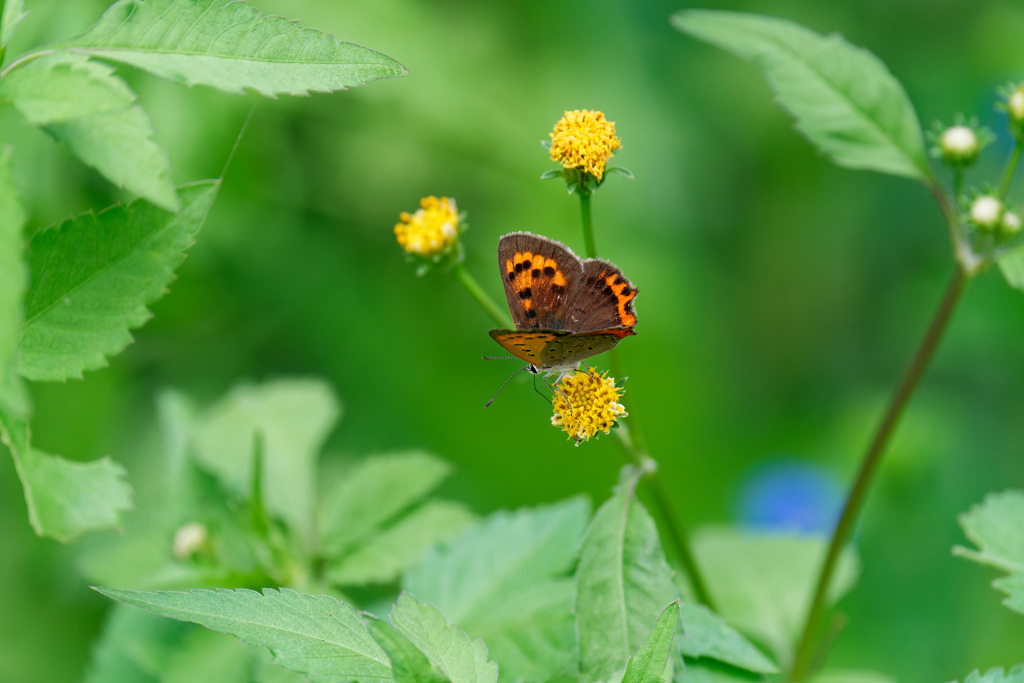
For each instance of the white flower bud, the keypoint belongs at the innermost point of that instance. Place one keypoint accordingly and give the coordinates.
(986, 212)
(1011, 224)
(959, 145)
(189, 540)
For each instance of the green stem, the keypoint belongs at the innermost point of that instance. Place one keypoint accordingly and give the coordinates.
(588, 225)
(477, 292)
(635, 444)
(1010, 169)
(3, 46)
(869, 466)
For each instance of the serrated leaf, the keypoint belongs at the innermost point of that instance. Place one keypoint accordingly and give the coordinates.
(997, 675)
(504, 551)
(409, 664)
(505, 580)
(14, 14)
(82, 103)
(997, 528)
(759, 581)
(707, 635)
(1011, 264)
(843, 97)
(316, 635)
(293, 418)
(13, 282)
(1014, 586)
(651, 660)
(373, 492)
(93, 276)
(393, 550)
(623, 583)
(65, 499)
(230, 46)
(61, 86)
(446, 647)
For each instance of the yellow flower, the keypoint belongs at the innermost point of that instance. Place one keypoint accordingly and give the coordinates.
(586, 404)
(432, 229)
(584, 139)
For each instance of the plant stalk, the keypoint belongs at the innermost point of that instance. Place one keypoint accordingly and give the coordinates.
(478, 293)
(588, 225)
(1010, 169)
(869, 466)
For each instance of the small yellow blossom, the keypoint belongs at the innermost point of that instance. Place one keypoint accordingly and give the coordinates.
(585, 404)
(432, 229)
(584, 139)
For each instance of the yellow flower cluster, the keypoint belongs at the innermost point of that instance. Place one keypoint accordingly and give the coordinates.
(432, 229)
(585, 404)
(584, 139)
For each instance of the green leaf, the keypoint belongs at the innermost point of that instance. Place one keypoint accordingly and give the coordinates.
(230, 46)
(14, 14)
(843, 97)
(293, 417)
(650, 662)
(313, 634)
(1011, 263)
(710, 671)
(93, 276)
(505, 580)
(504, 551)
(622, 585)
(410, 665)
(82, 103)
(1014, 586)
(133, 646)
(707, 635)
(997, 675)
(65, 499)
(759, 581)
(997, 528)
(393, 550)
(210, 656)
(13, 282)
(447, 647)
(63, 86)
(374, 492)
(853, 676)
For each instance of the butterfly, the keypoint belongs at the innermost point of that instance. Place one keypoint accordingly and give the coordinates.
(565, 309)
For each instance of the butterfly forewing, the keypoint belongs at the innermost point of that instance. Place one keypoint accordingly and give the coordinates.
(603, 300)
(541, 277)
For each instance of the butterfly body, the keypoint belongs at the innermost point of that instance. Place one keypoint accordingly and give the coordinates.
(565, 309)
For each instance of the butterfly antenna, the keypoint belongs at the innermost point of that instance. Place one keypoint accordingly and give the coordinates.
(488, 404)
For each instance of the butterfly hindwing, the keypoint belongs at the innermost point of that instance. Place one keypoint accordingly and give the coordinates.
(541, 277)
(604, 299)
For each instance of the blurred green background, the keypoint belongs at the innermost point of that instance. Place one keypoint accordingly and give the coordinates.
(781, 297)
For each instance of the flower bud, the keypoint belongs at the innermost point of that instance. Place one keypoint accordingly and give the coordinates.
(1011, 224)
(190, 540)
(1015, 110)
(959, 146)
(986, 213)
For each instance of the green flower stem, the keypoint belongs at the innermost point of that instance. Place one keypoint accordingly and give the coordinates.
(477, 292)
(1010, 169)
(588, 225)
(806, 648)
(632, 439)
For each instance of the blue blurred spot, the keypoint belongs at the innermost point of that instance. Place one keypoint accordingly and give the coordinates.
(785, 494)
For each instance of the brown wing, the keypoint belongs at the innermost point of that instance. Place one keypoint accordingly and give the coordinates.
(541, 277)
(603, 301)
(557, 350)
